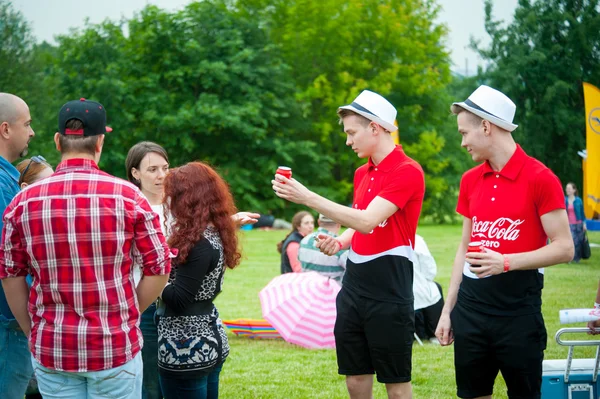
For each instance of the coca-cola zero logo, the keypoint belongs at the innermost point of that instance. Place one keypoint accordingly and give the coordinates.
(499, 229)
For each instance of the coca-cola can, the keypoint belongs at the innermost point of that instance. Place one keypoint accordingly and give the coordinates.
(284, 171)
(475, 246)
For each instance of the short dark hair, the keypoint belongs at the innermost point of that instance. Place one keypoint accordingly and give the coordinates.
(77, 144)
(137, 153)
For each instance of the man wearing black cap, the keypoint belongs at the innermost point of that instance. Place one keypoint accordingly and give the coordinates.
(511, 206)
(82, 228)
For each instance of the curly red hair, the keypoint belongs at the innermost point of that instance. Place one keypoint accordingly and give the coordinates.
(195, 195)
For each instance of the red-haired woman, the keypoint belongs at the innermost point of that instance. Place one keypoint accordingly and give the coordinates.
(192, 343)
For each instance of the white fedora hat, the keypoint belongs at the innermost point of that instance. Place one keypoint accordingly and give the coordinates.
(491, 105)
(375, 108)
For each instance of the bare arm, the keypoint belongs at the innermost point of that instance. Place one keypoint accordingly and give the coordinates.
(362, 221)
(149, 289)
(444, 328)
(560, 249)
(17, 296)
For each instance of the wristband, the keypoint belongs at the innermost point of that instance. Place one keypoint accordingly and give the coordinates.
(340, 244)
(596, 305)
(506, 263)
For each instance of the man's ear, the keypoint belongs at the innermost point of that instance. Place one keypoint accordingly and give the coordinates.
(23, 185)
(4, 129)
(57, 141)
(487, 127)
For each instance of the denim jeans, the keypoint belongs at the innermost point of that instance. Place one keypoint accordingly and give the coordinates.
(206, 387)
(151, 385)
(15, 361)
(123, 382)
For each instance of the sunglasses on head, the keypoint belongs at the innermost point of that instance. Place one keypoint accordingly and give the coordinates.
(36, 159)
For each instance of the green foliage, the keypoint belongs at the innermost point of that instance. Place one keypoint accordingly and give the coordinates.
(247, 85)
(16, 42)
(540, 61)
(204, 82)
(337, 48)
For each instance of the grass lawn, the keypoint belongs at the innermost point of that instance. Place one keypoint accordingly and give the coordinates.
(276, 369)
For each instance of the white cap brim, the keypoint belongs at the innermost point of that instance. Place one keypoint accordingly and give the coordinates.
(390, 127)
(488, 117)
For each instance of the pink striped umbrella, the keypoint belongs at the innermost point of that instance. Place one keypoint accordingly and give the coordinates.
(301, 306)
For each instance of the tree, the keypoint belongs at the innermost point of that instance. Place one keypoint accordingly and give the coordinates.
(540, 61)
(337, 48)
(204, 82)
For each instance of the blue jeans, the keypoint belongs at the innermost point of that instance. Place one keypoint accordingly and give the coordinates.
(151, 385)
(123, 382)
(15, 361)
(206, 387)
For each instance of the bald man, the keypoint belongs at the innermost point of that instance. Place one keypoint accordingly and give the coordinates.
(15, 133)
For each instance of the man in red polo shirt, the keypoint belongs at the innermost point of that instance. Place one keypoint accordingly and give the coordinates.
(512, 204)
(76, 232)
(375, 316)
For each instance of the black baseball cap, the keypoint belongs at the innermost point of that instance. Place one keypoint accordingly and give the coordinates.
(91, 113)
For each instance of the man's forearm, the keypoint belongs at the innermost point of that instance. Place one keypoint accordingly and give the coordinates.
(455, 280)
(17, 296)
(346, 238)
(559, 251)
(356, 219)
(149, 289)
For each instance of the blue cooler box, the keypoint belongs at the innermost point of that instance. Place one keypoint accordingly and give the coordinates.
(580, 384)
(571, 378)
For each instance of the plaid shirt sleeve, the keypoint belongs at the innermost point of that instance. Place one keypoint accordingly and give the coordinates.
(13, 255)
(150, 243)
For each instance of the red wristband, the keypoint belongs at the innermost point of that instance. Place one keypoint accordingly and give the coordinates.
(340, 243)
(506, 263)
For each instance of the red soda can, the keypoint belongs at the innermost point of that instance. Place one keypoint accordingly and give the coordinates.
(475, 246)
(284, 171)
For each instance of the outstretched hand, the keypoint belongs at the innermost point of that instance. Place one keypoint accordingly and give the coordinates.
(290, 189)
(243, 218)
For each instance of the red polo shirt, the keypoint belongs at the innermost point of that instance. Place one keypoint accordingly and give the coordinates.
(380, 263)
(505, 208)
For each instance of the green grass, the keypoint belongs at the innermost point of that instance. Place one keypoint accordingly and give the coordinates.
(275, 369)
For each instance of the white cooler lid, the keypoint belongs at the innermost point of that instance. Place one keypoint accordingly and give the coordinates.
(577, 365)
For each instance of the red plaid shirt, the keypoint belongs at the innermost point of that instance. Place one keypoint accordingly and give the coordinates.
(76, 233)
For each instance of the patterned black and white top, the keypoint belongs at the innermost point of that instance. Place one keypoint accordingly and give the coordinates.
(191, 338)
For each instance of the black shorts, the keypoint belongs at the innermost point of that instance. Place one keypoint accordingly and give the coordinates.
(485, 344)
(374, 337)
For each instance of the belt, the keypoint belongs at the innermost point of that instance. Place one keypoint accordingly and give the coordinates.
(196, 308)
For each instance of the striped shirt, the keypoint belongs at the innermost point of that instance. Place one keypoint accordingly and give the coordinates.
(75, 232)
(313, 260)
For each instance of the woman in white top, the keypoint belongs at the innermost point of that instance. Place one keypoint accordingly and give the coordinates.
(147, 165)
